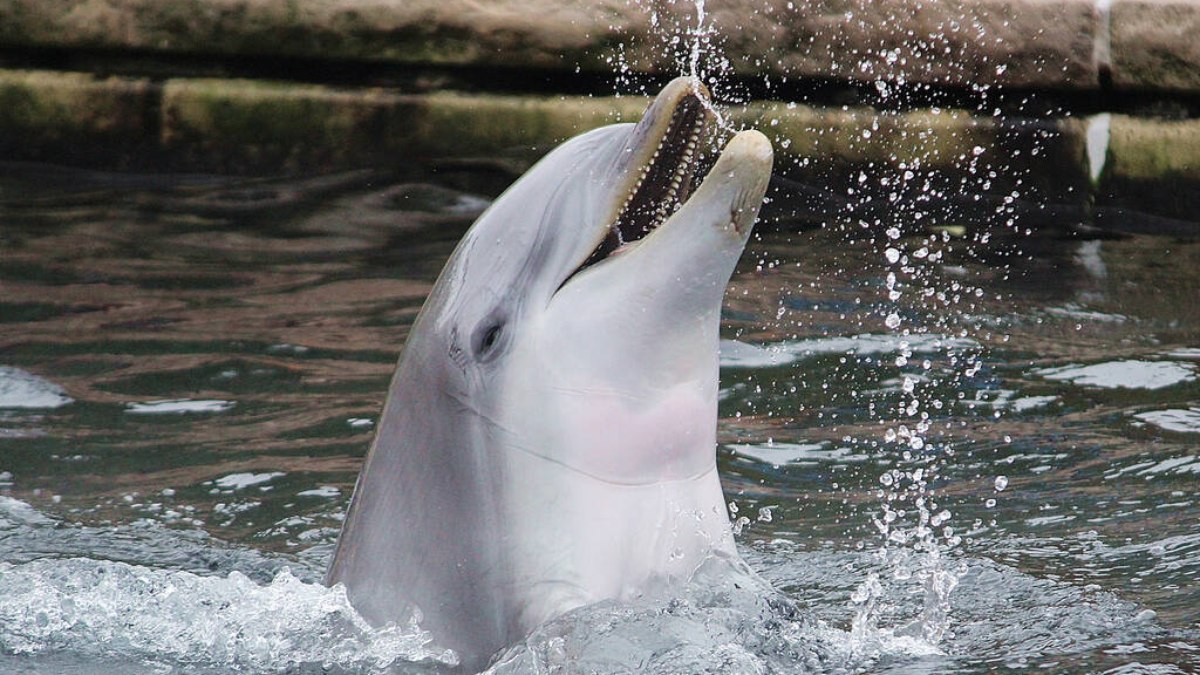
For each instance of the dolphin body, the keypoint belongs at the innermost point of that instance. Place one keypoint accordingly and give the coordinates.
(549, 437)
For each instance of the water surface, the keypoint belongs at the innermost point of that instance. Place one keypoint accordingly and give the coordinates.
(950, 449)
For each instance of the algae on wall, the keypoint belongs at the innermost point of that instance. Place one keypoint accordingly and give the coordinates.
(67, 106)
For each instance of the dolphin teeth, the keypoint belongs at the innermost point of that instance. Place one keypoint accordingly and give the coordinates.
(662, 184)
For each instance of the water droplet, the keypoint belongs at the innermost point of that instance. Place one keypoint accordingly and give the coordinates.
(1001, 483)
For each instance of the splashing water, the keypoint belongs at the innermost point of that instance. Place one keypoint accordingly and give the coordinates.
(685, 34)
(882, 316)
(101, 609)
(914, 528)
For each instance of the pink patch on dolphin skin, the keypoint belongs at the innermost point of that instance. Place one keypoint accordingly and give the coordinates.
(622, 440)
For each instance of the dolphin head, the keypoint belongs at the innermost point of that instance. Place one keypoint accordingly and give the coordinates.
(593, 286)
(549, 435)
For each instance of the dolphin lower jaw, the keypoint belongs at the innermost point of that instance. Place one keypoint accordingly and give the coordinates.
(641, 540)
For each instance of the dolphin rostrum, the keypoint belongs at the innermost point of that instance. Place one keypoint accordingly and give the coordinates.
(549, 437)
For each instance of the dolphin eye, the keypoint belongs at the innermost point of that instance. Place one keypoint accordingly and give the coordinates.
(488, 339)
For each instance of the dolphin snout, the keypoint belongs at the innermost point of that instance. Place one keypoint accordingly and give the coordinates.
(745, 163)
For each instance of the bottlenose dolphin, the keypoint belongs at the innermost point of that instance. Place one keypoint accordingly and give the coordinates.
(549, 437)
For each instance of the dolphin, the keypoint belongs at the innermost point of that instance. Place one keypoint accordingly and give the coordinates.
(549, 436)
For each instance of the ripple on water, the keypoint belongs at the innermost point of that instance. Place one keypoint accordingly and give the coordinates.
(178, 406)
(1131, 374)
(1179, 421)
(778, 454)
(22, 389)
(241, 481)
(736, 354)
(726, 621)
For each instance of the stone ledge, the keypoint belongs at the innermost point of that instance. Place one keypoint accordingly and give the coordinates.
(73, 106)
(414, 31)
(1021, 43)
(1042, 44)
(1149, 149)
(249, 125)
(1156, 45)
(257, 127)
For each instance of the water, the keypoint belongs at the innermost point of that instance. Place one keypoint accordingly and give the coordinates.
(191, 367)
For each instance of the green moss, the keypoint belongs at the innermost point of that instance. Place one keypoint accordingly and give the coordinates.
(1148, 149)
(269, 123)
(863, 136)
(67, 105)
(459, 125)
(299, 124)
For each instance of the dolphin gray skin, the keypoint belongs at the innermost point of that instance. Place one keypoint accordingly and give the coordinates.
(549, 437)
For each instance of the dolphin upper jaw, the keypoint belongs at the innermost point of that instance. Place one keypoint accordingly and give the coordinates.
(629, 344)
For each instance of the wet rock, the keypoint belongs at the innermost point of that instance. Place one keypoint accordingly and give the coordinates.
(71, 113)
(1023, 43)
(1151, 181)
(247, 125)
(250, 125)
(1156, 44)
(948, 162)
(503, 32)
(1026, 43)
(1152, 148)
(904, 140)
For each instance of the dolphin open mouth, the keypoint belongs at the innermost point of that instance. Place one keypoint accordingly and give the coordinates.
(663, 154)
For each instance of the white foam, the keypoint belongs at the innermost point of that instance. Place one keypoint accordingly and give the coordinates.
(1003, 399)
(1180, 421)
(1186, 464)
(102, 608)
(736, 354)
(16, 513)
(1048, 520)
(1080, 314)
(1031, 402)
(327, 491)
(239, 481)
(778, 454)
(178, 406)
(1130, 374)
(22, 389)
